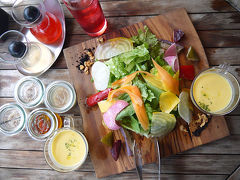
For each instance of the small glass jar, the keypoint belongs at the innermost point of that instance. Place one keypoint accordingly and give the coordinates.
(60, 96)
(12, 119)
(29, 92)
(41, 123)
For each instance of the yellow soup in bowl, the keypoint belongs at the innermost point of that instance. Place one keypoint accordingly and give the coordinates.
(212, 92)
(69, 148)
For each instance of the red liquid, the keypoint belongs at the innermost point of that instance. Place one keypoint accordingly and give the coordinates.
(89, 15)
(49, 30)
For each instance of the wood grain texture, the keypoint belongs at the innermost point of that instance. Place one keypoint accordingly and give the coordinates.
(183, 164)
(147, 7)
(21, 174)
(215, 56)
(206, 16)
(176, 141)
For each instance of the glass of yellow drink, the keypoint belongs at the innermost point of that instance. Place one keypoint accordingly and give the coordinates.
(66, 149)
(215, 91)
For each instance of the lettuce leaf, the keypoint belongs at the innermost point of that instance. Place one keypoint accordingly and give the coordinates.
(169, 69)
(146, 93)
(145, 36)
(117, 69)
(130, 123)
(125, 63)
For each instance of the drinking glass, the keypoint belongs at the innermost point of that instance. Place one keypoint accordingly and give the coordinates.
(89, 15)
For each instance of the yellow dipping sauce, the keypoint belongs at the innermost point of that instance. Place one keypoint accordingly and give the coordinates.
(212, 92)
(68, 148)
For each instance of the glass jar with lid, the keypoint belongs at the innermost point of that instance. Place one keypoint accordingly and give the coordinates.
(29, 92)
(60, 96)
(12, 119)
(41, 123)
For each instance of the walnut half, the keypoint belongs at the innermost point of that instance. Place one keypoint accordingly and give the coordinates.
(198, 125)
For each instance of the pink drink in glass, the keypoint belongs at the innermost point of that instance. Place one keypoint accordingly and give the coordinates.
(89, 15)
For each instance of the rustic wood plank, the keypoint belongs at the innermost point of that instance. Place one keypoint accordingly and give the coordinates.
(208, 21)
(176, 141)
(203, 21)
(147, 7)
(6, 173)
(215, 57)
(233, 124)
(8, 79)
(22, 141)
(75, 109)
(210, 39)
(228, 145)
(218, 56)
(183, 164)
(220, 38)
(216, 21)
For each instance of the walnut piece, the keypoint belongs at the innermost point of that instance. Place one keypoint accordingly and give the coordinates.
(196, 126)
(100, 40)
(82, 67)
(183, 129)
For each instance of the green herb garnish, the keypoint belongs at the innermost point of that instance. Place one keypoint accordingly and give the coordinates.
(68, 145)
(204, 106)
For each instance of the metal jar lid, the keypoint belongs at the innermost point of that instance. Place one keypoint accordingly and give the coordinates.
(12, 119)
(29, 92)
(60, 96)
(41, 123)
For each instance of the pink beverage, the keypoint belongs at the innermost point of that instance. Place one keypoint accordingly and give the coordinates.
(89, 15)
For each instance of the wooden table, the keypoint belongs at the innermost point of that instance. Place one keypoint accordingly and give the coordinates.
(218, 25)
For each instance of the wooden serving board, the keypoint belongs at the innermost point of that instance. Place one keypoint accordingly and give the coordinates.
(176, 141)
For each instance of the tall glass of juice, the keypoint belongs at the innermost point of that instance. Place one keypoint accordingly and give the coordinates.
(89, 15)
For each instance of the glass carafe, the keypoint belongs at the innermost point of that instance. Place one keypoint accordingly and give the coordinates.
(33, 57)
(45, 26)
